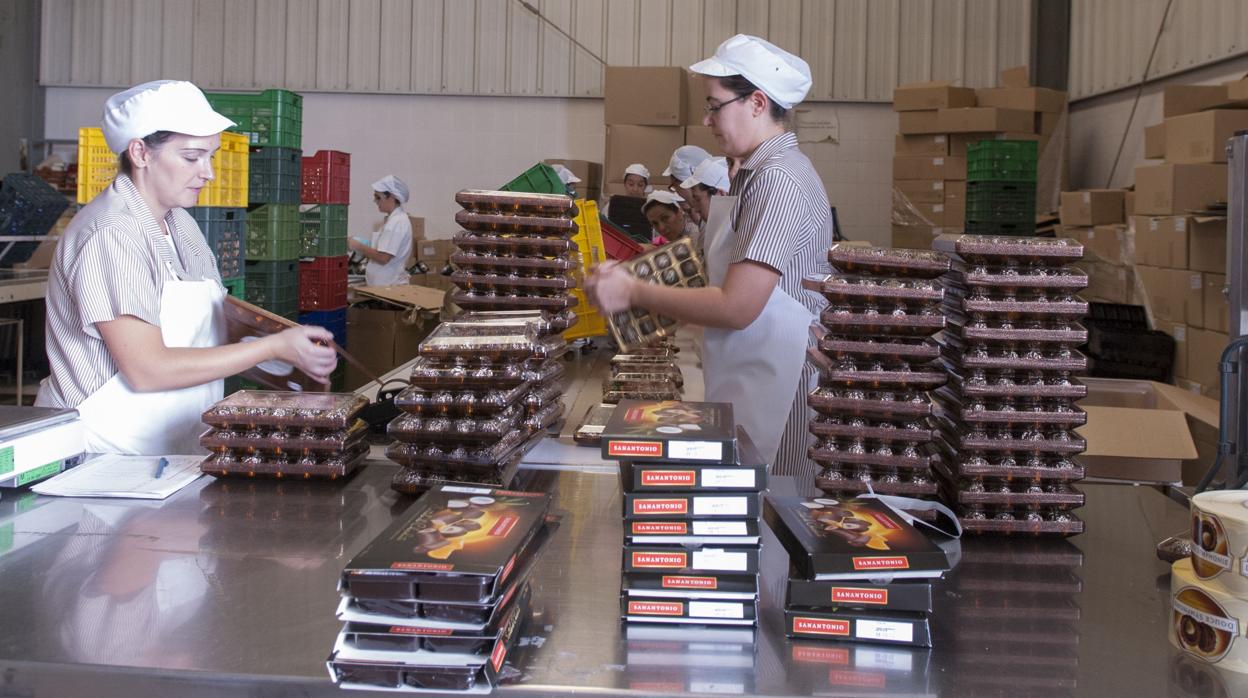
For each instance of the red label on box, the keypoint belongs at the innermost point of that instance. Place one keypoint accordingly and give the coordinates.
(856, 595)
(406, 630)
(897, 562)
(656, 608)
(504, 525)
(498, 655)
(671, 478)
(433, 566)
(690, 583)
(820, 626)
(511, 562)
(660, 506)
(650, 449)
(669, 527)
(674, 560)
(861, 679)
(820, 655)
(885, 521)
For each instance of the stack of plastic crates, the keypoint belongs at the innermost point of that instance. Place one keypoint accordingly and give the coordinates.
(30, 207)
(325, 193)
(276, 175)
(1001, 188)
(225, 229)
(272, 252)
(327, 178)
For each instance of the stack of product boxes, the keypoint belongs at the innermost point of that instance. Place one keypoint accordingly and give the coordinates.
(692, 481)
(325, 192)
(1209, 588)
(1098, 219)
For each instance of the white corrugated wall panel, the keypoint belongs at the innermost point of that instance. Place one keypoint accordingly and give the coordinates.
(1013, 34)
(948, 40)
(87, 42)
(523, 69)
(239, 61)
(883, 54)
(427, 37)
(654, 31)
(115, 47)
(395, 46)
(589, 17)
(301, 44)
(753, 17)
(459, 45)
(270, 38)
(914, 42)
(146, 17)
(849, 50)
(364, 46)
(555, 51)
(621, 32)
(979, 66)
(784, 24)
(719, 21)
(491, 56)
(689, 26)
(56, 41)
(208, 35)
(332, 42)
(818, 22)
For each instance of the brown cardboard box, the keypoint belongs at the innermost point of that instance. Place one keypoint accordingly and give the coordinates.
(1128, 203)
(652, 146)
(1110, 243)
(915, 237)
(1047, 122)
(1169, 189)
(1155, 141)
(1201, 137)
(382, 338)
(931, 214)
(1161, 241)
(956, 190)
(1204, 351)
(433, 280)
(958, 142)
(1178, 331)
(1040, 99)
(590, 173)
(1206, 244)
(1109, 283)
(1092, 207)
(973, 119)
(931, 95)
(702, 137)
(1192, 286)
(644, 96)
(1217, 314)
(955, 209)
(940, 167)
(921, 191)
(933, 145)
(1177, 100)
(1163, 294)
(911, 122)
(1081, 234)
(695, 98)
(435, 251)
(418, 228)
(1136, 431)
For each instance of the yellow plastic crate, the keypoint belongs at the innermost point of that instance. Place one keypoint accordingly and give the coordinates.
(589, 322)
(97, 166)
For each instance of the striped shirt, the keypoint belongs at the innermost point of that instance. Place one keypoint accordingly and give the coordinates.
(111, 262)
(783, 221)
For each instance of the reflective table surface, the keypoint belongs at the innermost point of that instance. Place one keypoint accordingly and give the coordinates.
(228, 588)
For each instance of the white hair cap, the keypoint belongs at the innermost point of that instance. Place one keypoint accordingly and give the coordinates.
(393, 186)
(565, 175)
(160, 105)
(782, 76)
(684, 159)
(713, 172)
(663, 196)
(637, 169)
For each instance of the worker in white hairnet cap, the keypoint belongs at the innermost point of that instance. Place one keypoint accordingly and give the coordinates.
(679, 168)
(636, 180)
(135, 324)
(774, 229)
(567, 177)
(389, 248)
(667, 219)
(708, 179)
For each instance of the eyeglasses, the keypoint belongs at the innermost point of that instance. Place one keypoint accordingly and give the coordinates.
(713, 109)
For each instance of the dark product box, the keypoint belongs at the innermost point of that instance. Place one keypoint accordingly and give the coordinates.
(858, 626)
(455, 544)
(417, 640)
(690, 584)
(821, 668)
(691, 506)
(914, 596)
(855, 539)
(697, 532)
(710, 612)
(671, 431)
(748, 475)
(656, 558)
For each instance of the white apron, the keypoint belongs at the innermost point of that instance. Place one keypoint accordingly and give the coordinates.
(757, 369)
(166, 422)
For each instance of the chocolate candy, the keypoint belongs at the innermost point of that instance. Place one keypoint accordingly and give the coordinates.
(413, 428)
(674, 264)
(855, 452)
(286, 409)
(849, 427)
(307, 465)
(1009, 250)
(865, 320)
(887, 261)
(498, 224)
(854, 288)
(459, 403)
(514, 202)
(515, 245)
(500, 282)
(495, 263)
(871, 404)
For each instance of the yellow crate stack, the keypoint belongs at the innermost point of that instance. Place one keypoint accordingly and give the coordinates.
(97, 165)
(589, 322)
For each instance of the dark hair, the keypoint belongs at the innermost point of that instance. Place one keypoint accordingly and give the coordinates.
(710, 191)
(645, 208)
(153, 141)
(740, 87)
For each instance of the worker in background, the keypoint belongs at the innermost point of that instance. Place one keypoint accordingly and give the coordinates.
(636, 180)
(679, 168)
(135, 319)
(390, 246)
(568, 178)
(667, 219)
(772, 231)
(708, 179)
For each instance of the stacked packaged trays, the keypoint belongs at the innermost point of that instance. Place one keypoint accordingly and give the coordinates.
(643, 377)
(437, 601)
(674, 264)
(1008, 413)
(482, 393)
(858, 571)
(285, 434)
(877, 362)
(691, 481)
(516, 251)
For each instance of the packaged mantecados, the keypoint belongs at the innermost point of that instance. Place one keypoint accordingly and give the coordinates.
(1220, 539)
(1206, 621)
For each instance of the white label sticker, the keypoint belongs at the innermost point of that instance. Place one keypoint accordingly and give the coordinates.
(696, 450)
(465, 490)
(720, 528)
(1218, 560)
(937, 186)
(1180, 333)
(714, 609)
(938, 208)
(720, 560)
(1243, 567)
(884, 630)
(725, 477)
(1195, 281)
(592, 428)
(1087, 197)
(872, 658)
(1180, 224)
(1092, 234)
(716, 687)
(1230, 625)
(720, 506)
(939, 139)
(938, 161)
(1152, 224)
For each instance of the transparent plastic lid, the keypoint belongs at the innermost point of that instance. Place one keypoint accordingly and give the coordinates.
(278, 408)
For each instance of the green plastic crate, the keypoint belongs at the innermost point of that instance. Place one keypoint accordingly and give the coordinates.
(538, 179)
(273, 233)
(323, 230)
(236, 287)
(269, 118)
(274, 286)
(1004, 202)
(1001, 161)
(275, 176)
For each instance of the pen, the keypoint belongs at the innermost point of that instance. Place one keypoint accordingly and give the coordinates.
(160, 467)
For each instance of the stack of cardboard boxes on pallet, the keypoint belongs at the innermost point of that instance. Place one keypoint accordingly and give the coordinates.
(937, 121)
(1098, 218)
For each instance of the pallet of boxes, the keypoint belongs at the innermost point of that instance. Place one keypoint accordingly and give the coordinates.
(938, 121)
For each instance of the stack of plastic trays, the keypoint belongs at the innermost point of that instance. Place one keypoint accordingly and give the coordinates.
(482, 394)
(285, 434)
(1008, 414)
(877, 362)
(643, 377)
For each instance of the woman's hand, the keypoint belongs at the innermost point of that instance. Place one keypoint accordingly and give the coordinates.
(610, 288)
(308, 349)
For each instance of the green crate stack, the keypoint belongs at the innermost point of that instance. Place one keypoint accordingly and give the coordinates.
(224, 230)
(274, 286)
(273, 118)
(1001, 187)
(538, 179)
(323, 230)
(275, 175)
(236, 287)
(273, 233)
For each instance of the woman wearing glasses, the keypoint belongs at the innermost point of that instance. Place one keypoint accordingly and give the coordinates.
(392, 245)
(771, 231)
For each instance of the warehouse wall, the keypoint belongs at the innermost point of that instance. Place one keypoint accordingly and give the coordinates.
(23, 117)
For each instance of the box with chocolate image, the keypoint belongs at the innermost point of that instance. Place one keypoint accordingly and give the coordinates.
(1206, 621)
(851, 539)
(701, 611)
(747, 474)
(894, 628)
(454, 544)
(913, 595)
(670, 431)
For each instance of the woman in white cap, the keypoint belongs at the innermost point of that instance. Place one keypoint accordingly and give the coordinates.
(636, 180)
(390, 247)
(667, 219)
(135, 322)
(568, 177)
(776, 230)
(708, 179)
(679, 168)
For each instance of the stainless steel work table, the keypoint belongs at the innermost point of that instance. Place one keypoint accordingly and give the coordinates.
(228, 588)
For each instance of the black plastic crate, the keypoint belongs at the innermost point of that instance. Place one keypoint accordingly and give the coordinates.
(1017, 228)
(1103, 368)
(1143, 347)
(1004, 202)
(1120, 315)
(29, 205)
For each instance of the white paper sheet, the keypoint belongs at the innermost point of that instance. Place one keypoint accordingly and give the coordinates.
(131, 477)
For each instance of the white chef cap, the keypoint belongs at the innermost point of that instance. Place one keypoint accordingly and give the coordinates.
(713, 172)
(394, 186)
(160, 105)
(663, 196)
(782, 76)
(565, 175)
(684, 159)
(637, 169)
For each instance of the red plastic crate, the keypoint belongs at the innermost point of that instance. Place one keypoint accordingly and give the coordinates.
(327, 178)
(617, 244)
(322, 283)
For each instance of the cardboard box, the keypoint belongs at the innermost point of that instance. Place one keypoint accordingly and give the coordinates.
(1237, 90)
(644, 96)
(695, 98)
(1110, 243)
(1040, 99)
(931, 214)
(702, 137)
(973, 119)
(956, 190)
(1193, 297)
(1206, 244)
(1177, 100)
(1178, 331)
(940, 167)
(1163, 294)
(1092, 207)
(1155, 141)
(933, 145)
(433, 280)
(1202, 137)
(958, 142)
(915, 237)
(1047, 122)
(418, 228)
(921, 191)
(384, 337)
(931, 95)
(1169, 189)
(1217, 313)
(590, 173)
(434, 251)
(912, 122)
(1136, 431)
(1109, 283)
(955, 209)
(1204, 351)
(652, 146)
(1128, 203)
(1161, 241)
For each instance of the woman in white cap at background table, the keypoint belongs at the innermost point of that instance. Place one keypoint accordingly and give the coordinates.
(667, 219)
(679, 168)
(135, 323)
(567, 177)
(391, 246)
(709, 178)
(774, 229)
